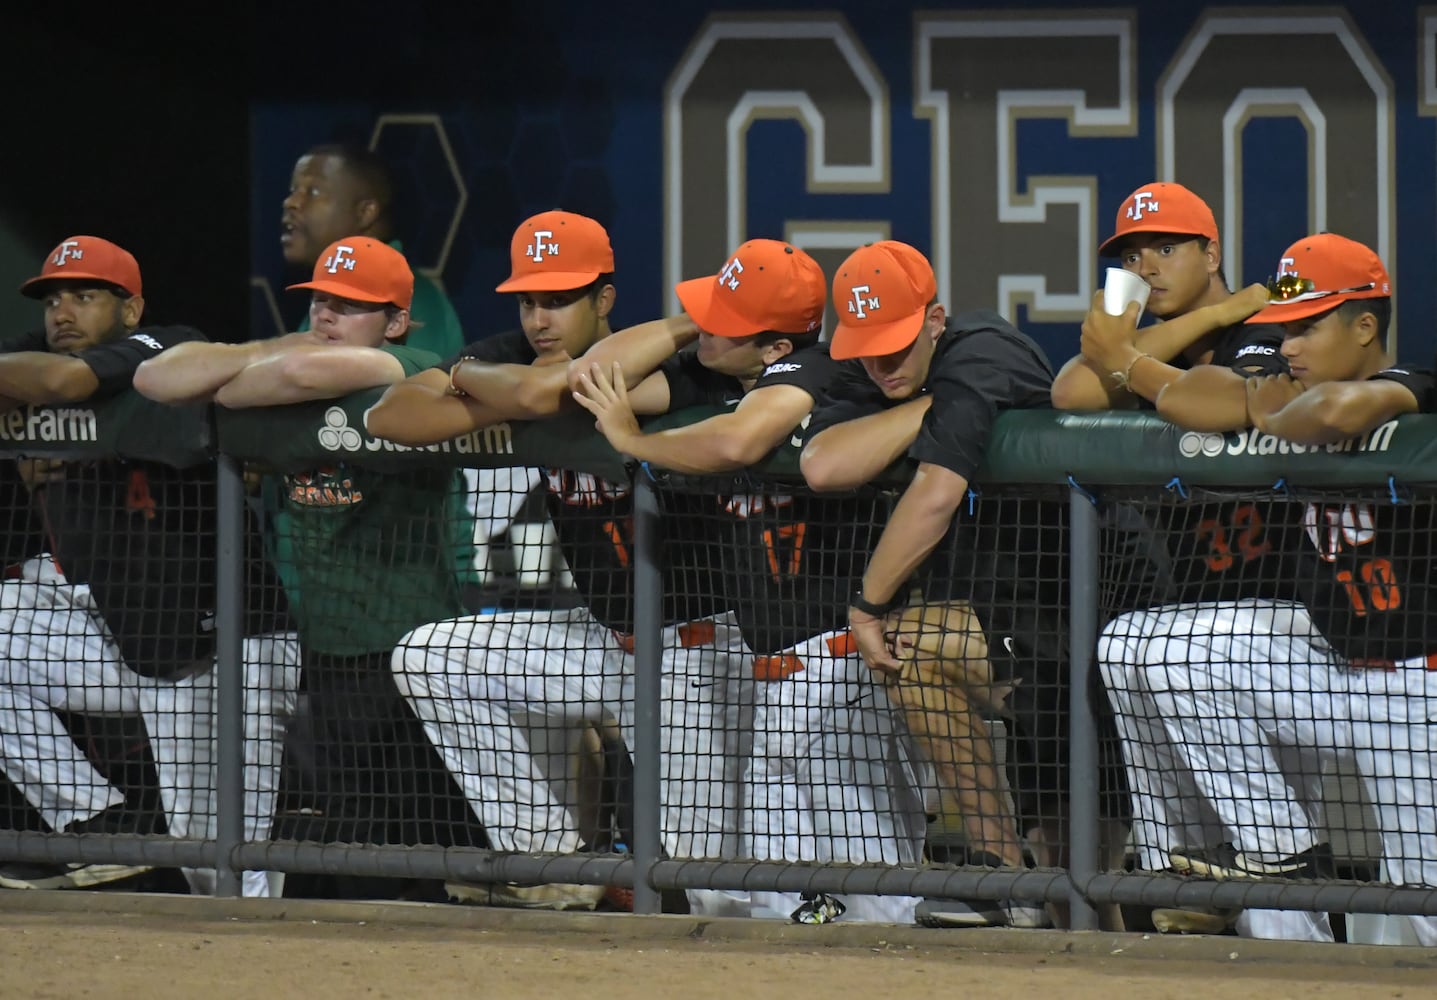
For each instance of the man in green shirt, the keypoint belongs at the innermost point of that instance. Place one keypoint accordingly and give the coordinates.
(369, 550)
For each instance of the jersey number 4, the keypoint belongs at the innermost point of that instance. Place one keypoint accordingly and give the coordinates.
(1334, 530)
(1243, 531)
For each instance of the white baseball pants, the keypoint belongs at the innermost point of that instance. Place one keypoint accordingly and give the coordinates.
(831, 777)
(1206, 694)
(491, 690)
(57, 655)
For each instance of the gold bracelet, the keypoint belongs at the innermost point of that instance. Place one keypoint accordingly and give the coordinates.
(1124, 379)
(453, 389)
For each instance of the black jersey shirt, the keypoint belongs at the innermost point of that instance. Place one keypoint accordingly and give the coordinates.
(594, 520)
(789, 560)
(1365, 570)
(141, 535)
(1222, 550)
(1007, 555)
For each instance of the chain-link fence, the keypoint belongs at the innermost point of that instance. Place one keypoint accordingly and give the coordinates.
(1193, 697)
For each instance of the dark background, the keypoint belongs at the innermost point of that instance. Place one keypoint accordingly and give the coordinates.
(133, 123)
(115, 131)
(137, 124)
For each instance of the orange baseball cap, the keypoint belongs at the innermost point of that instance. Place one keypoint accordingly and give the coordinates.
(881, 293)
(1320, 272)
(766, 285)
(363, 270)
(1161, 208)
(557, 252)
(86, 258)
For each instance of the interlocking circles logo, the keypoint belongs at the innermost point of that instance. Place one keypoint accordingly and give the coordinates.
(1193, 444)
(336, 434)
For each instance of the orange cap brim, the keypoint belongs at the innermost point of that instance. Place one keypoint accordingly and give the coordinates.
(342, 290)
(874, 341)
(35, 287)
(700, 300)
(1287, 312)
(1109, 247)
(553, 281)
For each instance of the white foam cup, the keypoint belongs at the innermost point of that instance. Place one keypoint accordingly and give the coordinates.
(1122, 287)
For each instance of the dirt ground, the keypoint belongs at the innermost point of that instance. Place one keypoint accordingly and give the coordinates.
(158, 957)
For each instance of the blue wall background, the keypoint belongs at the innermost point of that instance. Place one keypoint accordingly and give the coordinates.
(560, 105)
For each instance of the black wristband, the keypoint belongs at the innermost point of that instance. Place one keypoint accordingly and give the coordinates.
(869, 608)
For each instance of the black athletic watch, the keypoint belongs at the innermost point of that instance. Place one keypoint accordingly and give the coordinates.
(868, 607)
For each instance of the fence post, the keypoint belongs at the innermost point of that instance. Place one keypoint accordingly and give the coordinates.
(1083, 830)
(229, 676)
(648, 626)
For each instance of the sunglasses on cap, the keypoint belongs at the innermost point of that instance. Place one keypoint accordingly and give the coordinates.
(1291, 288)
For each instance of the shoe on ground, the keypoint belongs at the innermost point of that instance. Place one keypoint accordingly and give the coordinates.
(1226, 862)
(550, 896)
(959, 913)
(1025, 913)
(932, 912)
(1194, 920)
(27, 875)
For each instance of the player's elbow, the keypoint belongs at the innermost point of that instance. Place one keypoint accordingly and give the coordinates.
(1068, 394)
(824, 470)
(149, 381)
(1211, 415)
(395, 418)
(935, 492)
(737, 451)
(305, 371)
(1347, 412)
(579, 366)
(382, 420)
(1173, 406)
(155, 379)
(534, 402)
(67, 383)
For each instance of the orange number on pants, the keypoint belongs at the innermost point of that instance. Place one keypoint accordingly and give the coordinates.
(1378, 589)
(793, 534)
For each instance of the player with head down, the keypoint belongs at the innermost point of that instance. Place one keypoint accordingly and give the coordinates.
(830, 777)
(922, 384)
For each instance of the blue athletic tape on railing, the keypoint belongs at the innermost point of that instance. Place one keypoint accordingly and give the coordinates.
(1176, 484)
(973, 495)
(1280, 486)
(1392, 490)
(1074, 484)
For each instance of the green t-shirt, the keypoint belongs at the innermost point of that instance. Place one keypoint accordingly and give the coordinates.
(371, 553)
(438, 331)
